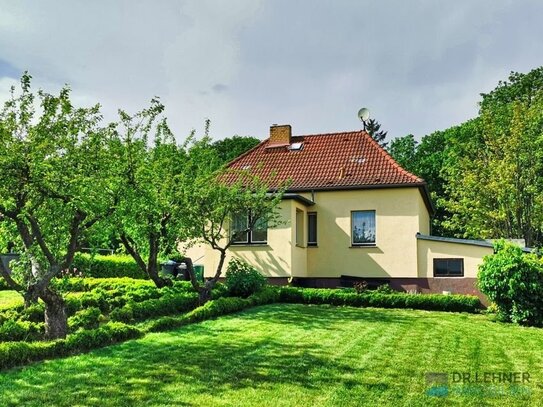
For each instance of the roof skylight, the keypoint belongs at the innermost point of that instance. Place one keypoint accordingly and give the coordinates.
(296, 146)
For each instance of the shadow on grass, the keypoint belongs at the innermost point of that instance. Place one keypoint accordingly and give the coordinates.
(312, 317)
(239, 352)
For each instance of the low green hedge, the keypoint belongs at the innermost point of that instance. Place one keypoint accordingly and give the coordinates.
(101, 266)
(431, 302)
(74, 284)
(20, 353)
(166, 305)
(214, 309)
(17, 330)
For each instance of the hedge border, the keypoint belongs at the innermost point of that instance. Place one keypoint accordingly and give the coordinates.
(19, 353)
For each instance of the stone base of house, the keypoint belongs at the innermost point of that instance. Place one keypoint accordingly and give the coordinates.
(462, 285)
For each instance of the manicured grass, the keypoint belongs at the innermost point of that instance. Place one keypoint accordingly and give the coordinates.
(294, 355)
(10, 298)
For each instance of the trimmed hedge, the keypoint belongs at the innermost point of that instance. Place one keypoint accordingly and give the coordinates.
(166, 305)
(431, 302)
(74, 284)
(101, 266)
(20, 353)
(214, 309)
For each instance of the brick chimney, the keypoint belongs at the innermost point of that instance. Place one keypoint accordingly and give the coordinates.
(280, 135)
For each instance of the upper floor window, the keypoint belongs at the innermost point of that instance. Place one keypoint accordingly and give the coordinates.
(240, 232)
(363, 228)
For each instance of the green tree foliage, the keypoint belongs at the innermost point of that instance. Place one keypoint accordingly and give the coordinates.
(148, 220)
(520, 87)
(404, 151)
(57, 180)
(485, 174)
(373, 127)
(212, 199)
(513, 280)
(232, 147)
(495, 181)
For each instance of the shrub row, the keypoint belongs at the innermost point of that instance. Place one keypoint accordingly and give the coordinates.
(16, 330)
(431, 302)
(19, 353)
(107, 266)
(166, 305)
(73, 284)
(213, 309)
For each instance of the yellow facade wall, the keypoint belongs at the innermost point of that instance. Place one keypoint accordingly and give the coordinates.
(430, 250)
(398, 213)
(273, 259)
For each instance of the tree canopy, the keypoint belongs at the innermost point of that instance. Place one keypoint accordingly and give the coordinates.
(485, 175)
(50, 194)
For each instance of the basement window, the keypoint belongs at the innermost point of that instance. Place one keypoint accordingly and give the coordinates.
(449, 267)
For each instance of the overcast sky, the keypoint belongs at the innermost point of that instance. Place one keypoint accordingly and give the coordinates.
(419, 66)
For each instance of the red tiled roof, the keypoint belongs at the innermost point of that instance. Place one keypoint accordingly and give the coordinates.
(327, 161)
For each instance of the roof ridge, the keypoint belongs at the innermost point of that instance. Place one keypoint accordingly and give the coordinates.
(391, 159)
(330, 134)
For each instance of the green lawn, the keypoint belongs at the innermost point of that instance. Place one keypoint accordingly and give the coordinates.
(294, 355)
(9, 298)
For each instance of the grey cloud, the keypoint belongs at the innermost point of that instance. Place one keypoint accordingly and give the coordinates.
(419, 65)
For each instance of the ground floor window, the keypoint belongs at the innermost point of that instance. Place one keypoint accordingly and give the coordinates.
(448, 267)
(241, 234)
(299, 228)
(312, 228)
(363, 228)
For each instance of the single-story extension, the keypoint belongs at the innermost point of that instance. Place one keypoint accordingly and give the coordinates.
(350, 213)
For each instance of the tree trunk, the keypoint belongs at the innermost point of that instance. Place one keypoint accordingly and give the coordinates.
(159, 281)
(204, 291)
(56, 319)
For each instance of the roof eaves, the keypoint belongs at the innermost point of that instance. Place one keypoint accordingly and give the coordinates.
(299, 198)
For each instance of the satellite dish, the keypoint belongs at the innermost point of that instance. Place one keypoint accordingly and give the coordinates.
(364, 114)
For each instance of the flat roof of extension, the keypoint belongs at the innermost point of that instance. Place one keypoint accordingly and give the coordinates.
(472, 242)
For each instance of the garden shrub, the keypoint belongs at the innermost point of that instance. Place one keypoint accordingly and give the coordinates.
(15, 330)
(88, 318)
(107, 266)
(385, 289)
(513, 280)
(242, 279)
(4, 285)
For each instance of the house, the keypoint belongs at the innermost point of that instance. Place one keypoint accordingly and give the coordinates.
(350, 213)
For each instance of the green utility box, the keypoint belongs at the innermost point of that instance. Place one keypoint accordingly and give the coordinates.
(199, 272)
